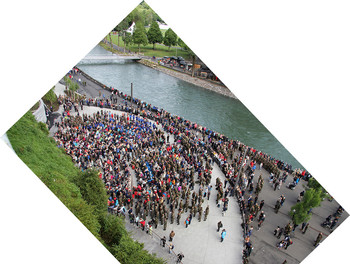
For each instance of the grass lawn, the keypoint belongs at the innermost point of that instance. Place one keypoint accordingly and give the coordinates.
(159, 51)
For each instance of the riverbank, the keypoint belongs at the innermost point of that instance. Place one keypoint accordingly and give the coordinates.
(187, 78)
(263, 241)
(206, 84)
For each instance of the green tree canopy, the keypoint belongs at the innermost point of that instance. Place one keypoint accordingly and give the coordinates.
(170, 38)
(154, 34)
(181, 43)
(312, 183)
(300, 214)
(300, 211)
(145, 14)
(127, 39)
(124, 25)
(139, 36)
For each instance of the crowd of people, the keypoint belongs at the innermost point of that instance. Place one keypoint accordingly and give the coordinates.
(172, 161)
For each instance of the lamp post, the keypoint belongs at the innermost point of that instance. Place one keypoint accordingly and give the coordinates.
(132, 92)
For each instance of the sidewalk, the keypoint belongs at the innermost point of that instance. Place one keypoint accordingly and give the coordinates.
(263, 241)
(200, 243)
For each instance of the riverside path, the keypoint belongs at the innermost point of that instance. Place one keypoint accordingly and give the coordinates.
(200, 242)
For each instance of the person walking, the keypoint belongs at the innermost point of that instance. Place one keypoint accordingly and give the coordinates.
(294, 226)
(333, 224)
(305, 228)
(209, 191)
(171, 235)
(276, 231)
(277, 206)
(249, 233)
(171, 247)
(288, 243)
(318, 239)
(165, 224)
(223, 234)
(163, 241)
(187, 221)
(206, 213)
(261, 219)
(180, 256)
(178, 218)
(283, 199)
(150, 230)
(200, 211)
(219, 226)
(287, 229)
(280, 233)
(261, 205)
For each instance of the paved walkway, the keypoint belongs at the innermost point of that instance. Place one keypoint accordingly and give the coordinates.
(200, 242)
(264, 242)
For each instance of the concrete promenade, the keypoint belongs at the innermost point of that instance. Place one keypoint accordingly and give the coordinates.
(264, 242)
(200, 242)
(201, 239)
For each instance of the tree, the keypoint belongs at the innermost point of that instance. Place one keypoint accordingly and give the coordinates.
(138, 16)
(170, 38)
(110, 39)
(127, 39)
(124, 25)
(154, 34)
(181, 43)
(312, 183)
(301, 211)
(139, 36)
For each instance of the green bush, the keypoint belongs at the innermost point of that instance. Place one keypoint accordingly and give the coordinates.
(74, 86)
(113, 229)
(130, 252)
(50, 96)
(55, 169)
(93, 190)
(82, 192)
(50, 99)
(43, 127)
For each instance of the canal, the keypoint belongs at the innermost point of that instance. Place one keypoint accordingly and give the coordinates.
(217, 112)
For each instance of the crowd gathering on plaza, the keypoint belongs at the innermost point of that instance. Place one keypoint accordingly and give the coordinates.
(172, 161)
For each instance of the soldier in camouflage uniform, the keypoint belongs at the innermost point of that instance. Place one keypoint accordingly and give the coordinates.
(206, 213)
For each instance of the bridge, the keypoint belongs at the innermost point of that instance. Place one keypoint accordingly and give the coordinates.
(112, 57)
